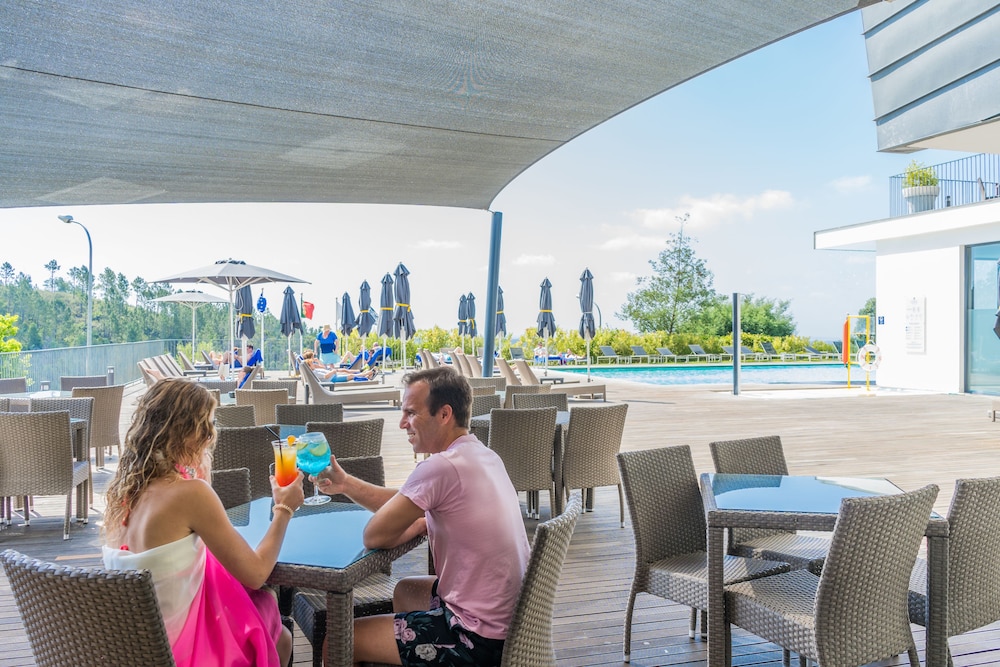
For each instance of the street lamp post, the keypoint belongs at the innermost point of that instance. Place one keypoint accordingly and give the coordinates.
(90, 284)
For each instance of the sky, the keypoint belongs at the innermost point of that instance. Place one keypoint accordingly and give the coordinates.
(761, 152)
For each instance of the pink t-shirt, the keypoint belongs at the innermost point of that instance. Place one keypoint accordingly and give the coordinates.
(476, 533)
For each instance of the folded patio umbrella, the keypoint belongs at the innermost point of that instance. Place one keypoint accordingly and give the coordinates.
(347, 323)
(290, 321)
(463, 317)
(546, 320)
(501, 318)
(366, 320)
(403, 320)
(245, 327)
(587, 328)
(470, 303)
(385, 307)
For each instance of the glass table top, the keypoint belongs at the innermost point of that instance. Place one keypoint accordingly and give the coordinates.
(327, 535)
(793, 493)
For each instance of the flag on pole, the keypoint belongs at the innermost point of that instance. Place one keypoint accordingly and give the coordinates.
(307, 309)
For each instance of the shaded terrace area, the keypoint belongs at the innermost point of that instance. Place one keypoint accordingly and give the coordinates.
(912, 439)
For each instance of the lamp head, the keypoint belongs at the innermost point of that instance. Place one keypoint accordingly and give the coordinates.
(65, 218)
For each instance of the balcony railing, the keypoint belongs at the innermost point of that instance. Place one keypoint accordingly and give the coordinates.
(968, 180)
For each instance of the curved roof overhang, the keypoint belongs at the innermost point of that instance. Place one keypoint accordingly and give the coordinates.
(403, 102)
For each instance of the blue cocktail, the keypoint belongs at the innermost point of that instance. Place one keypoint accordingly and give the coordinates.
(313, 457)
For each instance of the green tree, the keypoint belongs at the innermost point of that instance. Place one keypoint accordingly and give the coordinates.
(869, 310)
(7, 332)
(6, 273)
(758, 315)
(679, 289)
(52, 267)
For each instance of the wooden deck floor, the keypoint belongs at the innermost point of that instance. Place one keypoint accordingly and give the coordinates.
(912, 439)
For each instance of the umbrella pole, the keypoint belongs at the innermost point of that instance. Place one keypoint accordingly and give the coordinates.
(588, 358)
(291, 368)
(192, 332)
(385, 341)
(232, 342)
(546, 355)
(262, 343)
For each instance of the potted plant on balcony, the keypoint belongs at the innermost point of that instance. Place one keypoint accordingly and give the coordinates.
(920, 187)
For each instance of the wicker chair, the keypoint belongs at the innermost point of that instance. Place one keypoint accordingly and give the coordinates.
(70, 382)
(855, 612)
(557, 401)
(51, 598)
(223, 386)
(973, 578)
(668, 522)
(232, 485)
(351, 439)
(263, 402)
(78, 408)
(523, 440)
(593, 438)
(13, 385)
(247, 447)
(290, 385)
(529, 637)
(4, 404)
(523, 389)
(498, 383)
(483, 391)
(483, 405)
(104, 432)
(36, 459)
(765, 456)
(231, 416)
(216, 396)
(314, 412)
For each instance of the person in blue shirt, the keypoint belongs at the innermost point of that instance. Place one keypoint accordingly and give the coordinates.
(254, 358)
(325, 346)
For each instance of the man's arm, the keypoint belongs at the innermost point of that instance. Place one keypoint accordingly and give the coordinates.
(335, 480)
(397, 521)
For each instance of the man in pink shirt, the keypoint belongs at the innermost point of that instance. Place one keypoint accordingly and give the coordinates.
(462, 497)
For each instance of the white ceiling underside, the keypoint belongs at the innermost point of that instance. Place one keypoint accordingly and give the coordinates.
(401, 102)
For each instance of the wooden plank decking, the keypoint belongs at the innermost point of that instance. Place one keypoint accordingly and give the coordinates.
(911, 439)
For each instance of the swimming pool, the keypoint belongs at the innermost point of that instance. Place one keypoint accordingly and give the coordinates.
(749, 374)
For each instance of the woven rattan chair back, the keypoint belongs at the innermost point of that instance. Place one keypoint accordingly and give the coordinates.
(507, 373)
(78, 408)
(314, 412)
(592, 442)
(529, 638)
(224, 386)
(523, 389)
(263, 402)
(69, 382)
(557, 401)
(73, 616)
(482, 405)
(351, 439)
(232, 485)
(750, 456)
(13, 385)
(523, 440)
(861, 615)
(483, 391)
(104, 433)
(498, 383)
(230, 416)
(246, 447)
(291, 385)
(4, 404)
(36, 459)
(216, 396)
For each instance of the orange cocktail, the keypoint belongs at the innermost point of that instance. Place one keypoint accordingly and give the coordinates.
(285, 470)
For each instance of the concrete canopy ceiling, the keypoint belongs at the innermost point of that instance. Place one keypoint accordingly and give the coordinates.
(405, 102)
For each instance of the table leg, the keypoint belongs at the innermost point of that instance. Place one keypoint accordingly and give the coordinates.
(339, 629)
(716, 599)
(936, 634)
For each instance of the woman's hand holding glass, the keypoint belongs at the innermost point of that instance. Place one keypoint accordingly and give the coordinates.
(291, 495)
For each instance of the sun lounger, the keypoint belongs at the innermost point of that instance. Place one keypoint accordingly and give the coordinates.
(569, 387)
(639, 353)
(774, 354)
(664, 354)
(608, 352)
(813, 353)
(321, 394)
(516, 353)
(727, 353)
(700, 354)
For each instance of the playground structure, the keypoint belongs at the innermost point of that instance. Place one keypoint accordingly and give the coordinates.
(868, 355)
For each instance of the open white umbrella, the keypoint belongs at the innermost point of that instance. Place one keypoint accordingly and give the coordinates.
(193, 300)
(230, 275)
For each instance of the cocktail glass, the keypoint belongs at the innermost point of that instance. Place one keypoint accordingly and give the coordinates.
(285, 471)
(313, 458)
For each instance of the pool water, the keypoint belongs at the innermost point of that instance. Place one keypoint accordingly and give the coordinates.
(749, 374)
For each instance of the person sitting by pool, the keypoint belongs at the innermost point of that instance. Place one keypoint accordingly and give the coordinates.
(254, 358)
(568, 356)
(540, 354)
(335, 374)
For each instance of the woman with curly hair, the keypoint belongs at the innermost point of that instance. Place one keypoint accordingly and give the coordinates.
(163, 516)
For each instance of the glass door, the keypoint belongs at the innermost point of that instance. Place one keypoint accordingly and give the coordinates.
(982, 325)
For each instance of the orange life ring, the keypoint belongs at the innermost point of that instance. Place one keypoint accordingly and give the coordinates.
(869, 357)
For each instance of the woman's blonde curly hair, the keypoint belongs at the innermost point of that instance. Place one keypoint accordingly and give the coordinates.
(172, 426)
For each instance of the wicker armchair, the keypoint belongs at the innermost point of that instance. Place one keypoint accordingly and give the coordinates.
(291, 385)
(51, 598)
(668, 522)
(523, 389)
(36, 459)
(765, 456)
(223, 386)
(593, 439)
(529, 637)
(557, 401)
(232, 416)
(973, 594)
(263, 402)
(4, 404)
(13, 385)
(78, 408)
(523, 440)
(70, 382)
(232, 485)
(314, 412)
(247, 447)
(498, 383)
(855, 612)
(104, 432)
(482, 405)
(483, 391)
(351, 439)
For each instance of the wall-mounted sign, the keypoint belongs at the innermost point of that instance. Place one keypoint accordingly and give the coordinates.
(916, 324)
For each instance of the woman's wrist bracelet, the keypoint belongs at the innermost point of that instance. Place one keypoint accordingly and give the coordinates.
(283, 506)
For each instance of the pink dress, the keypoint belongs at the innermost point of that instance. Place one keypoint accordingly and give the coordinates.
(211, 618)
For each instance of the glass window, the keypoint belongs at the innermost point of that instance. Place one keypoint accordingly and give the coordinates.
(982, 368)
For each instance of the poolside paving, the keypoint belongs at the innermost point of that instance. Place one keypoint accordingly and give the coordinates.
(911, 438)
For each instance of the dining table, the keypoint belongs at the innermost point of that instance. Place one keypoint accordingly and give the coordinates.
(799, 502)
(322, 549)
(562, 427)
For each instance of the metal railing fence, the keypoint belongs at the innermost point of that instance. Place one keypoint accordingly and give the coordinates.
(49, 365)
(968, 180)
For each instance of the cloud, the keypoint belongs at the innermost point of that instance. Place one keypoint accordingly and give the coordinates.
(534, 260)
(443, 245)
(849, 184)
(627, 241)
(716, 209)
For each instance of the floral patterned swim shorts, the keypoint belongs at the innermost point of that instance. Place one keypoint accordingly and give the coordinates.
(436, 637)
